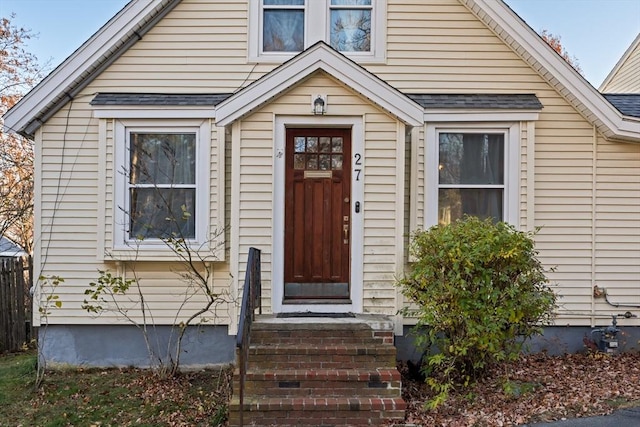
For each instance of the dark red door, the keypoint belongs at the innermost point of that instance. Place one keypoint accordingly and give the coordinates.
(317, 214)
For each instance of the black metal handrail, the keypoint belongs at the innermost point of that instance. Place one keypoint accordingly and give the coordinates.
(251, 297)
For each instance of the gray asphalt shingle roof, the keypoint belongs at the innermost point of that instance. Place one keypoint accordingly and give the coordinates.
(627, 103)
(196, 99)
(9, 249)
(525, 101)
(438, 101)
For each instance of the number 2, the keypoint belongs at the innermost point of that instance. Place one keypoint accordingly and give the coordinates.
(358, 162)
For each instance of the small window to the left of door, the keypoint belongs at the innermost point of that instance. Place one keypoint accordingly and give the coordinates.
(161, 186)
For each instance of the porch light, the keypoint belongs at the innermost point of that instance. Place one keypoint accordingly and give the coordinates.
(319, 105)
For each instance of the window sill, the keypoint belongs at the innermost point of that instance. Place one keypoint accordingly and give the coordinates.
(151, 253)
(281, 58)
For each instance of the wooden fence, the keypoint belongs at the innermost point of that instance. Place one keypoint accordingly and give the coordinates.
(15, 303)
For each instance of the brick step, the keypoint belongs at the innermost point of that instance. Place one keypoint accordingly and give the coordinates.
(299, 356)
(354, 411)
(318, 334)
(320, 372)
(322, 383)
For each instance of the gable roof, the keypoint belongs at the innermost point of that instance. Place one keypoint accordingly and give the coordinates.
(622, 61)
(320, 56)
(528, 44)
(139, 16)
(61, 86)
(8, 249)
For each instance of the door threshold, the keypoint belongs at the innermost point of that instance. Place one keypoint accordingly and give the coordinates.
(315, 315)
(316, 301)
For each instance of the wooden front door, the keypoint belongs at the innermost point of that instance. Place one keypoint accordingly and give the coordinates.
(317, 214)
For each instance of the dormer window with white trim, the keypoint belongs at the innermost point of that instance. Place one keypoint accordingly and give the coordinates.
(279, 29)
(283, 25)
(350, 25)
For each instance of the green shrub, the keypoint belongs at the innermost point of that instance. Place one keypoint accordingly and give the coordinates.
(479, 291)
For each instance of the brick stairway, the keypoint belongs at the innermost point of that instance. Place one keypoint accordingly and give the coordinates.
(320, 372)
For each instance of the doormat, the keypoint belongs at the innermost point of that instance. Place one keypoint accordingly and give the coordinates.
(310, 314)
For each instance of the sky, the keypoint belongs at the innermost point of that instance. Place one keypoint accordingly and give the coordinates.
(595, 32)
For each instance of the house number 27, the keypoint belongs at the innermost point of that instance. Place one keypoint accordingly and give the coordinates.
(358, 163)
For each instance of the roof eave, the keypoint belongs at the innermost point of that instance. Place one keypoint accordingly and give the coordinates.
(319, 57)
(85, 64)
(509, 27)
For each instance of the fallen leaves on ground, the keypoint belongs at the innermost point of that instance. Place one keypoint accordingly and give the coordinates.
(126, 397)
(541, 388)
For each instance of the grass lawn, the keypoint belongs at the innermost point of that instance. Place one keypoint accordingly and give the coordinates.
(109, 397)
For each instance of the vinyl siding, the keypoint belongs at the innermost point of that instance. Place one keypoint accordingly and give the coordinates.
(582, 191)
(617, 233)
(627, 77)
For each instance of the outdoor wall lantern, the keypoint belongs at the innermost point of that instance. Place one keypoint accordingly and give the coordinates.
(319, 104)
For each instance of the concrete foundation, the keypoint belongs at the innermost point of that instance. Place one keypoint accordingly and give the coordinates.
(202, 346)
(124, 346)
(556, 340)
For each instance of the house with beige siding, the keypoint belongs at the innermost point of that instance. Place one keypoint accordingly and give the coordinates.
(321, 132)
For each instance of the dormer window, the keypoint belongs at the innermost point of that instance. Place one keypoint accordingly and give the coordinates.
(350, 25)
(283, 25)
(279, 29)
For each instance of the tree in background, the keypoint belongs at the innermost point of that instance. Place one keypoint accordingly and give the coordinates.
(556, 44)
(19, 72)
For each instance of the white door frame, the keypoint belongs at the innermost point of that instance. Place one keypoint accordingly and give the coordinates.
(357, 219)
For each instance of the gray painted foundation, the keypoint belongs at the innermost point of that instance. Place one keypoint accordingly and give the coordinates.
(124, 346)
(555, 341)
(203, 346)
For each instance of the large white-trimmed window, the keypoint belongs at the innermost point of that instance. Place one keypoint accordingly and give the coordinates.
(471, 170)
(160, 183)
(278, 29)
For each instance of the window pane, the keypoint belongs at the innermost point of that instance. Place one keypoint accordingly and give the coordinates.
(336, 144)
(162, 158)
(299, 144)
(283, 31)
(162, 213)
(325, 144)
(312, 162)
(336, 162)
(351, 30)
(298, 161)
(325, 162)
(453, 203)
(312, 144)
(466, 158)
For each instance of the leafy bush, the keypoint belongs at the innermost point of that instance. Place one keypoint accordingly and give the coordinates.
(480, 292)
